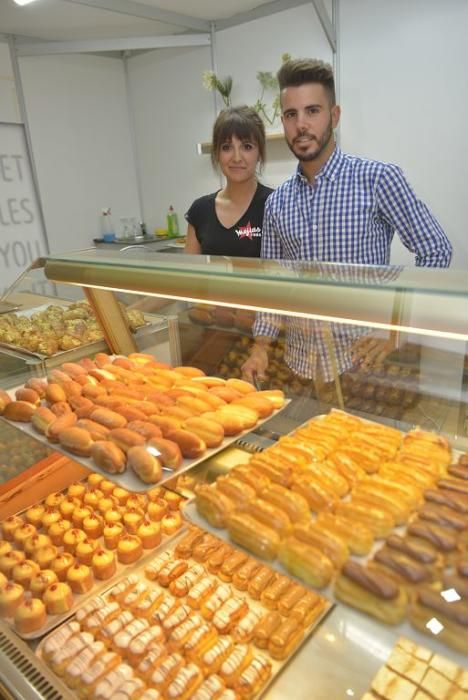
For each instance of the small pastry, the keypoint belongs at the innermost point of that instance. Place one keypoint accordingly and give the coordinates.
(173, 499)
(51, 516)
(54, 500)
(68, 505)
(94, 480)
(215, 600)
(129, 549)
(307, 609)
(182, 584)
(112, 534)
(10, 525)
(150, 534)
(232, 667)
(30, 616)
(199, 641)
(57, 531)
(58, 598)
(24, 571)
(79, 514)
(71, 539)
(132, 520)
(243, 630)
(201, 591)
(10, 560)
(216, 654)
(92, 498)
(165, 671)
(119, 590)
(24, 532)
(112, 516)
(171, 523)
(106, 503)
(80, 578)
(5, 547)
(157, 509)
(258, 538)
(265, 628)
(34, 515)
(172, 570)
(216, 560)
(76, 490)
(232, 562)
(306, 562)
(61, 564)
(85, 550)
(259, 581)
(107, 487)
(34, 543)
(185, 683)
(41, 581)
(183, 549)
(451, 616)
(104, 565)
(254, 676)
(229, 613)
(245, 573)
(45, 556)
(93, 526)
(121, 495)
(11, 595)
(157, 565)
(138, 501)
(372, 592)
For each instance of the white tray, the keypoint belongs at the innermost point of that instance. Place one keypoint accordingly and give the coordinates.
(277, 666)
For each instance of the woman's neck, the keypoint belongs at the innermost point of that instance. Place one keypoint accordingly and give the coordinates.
(239, 191)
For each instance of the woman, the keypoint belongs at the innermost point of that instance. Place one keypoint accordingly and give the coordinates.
(229, 221)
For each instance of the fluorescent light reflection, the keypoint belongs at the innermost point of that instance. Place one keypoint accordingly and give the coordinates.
(434, 626)
(450, 595)
(350, 692)
(298, 314)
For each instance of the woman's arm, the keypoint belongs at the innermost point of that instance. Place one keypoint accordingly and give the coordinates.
(192, 246)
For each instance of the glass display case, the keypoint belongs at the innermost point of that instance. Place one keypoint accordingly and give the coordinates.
(385, 345)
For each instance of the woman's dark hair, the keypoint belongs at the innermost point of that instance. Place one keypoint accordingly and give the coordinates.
(242, 122)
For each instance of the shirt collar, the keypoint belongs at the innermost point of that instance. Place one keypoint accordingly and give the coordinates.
(330, 170)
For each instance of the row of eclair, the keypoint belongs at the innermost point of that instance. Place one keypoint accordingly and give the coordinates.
(134, 412)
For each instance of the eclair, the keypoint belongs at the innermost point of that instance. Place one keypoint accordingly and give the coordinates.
(372, 592)
(452, 616)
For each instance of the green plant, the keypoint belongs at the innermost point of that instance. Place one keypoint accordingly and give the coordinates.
(268, 84)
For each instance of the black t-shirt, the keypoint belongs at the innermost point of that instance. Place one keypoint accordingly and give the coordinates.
(244, 239)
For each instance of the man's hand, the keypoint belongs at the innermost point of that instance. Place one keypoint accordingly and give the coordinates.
(255, 367)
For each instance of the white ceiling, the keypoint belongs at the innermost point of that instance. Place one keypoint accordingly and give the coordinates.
(63, 20)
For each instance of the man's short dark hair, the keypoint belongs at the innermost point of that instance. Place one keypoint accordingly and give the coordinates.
(299, 71)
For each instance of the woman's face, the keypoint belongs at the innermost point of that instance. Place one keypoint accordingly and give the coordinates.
(238, 160)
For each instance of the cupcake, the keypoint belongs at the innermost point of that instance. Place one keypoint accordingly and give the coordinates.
(154, 493)
(138, 501)
(30, 616)
(51, 516)
(76, 490)
(34, 515)
(157, 509)
(34, 543)
(23, 532)
(41, 581)
(85, 550)
(129, 549)
(92, 498)
(24, 571)
(11, 595)
(106, 487)
(112, 534)
(132, 520)
(54, 499)
(103, 563)
(93, 526)
(171, 523)
(106, 503)
(45, 556)
(58, 530)
(173, 499)
(79, 514)
(94, 480)
(58, 598)
(9, 561)
(149, 534)
(80, 578)
(10, 525)
(112, 516)
(121, 495)
(61, 564)
(5, 547)
(71, 539)
(68, 506)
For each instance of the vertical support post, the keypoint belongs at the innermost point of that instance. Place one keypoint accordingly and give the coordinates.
(131, 125)
(214, 68)
(27, 131)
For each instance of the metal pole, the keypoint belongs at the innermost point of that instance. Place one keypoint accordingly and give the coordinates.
(214, 68)
(27, 132)
(133, 144)
(337, 56)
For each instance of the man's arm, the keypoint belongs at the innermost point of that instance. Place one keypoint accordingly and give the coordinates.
(418, 229)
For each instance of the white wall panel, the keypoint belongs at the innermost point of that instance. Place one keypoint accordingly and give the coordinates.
(81, 141)
(9, 109)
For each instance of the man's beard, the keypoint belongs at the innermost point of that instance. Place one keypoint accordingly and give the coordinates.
(321, 146)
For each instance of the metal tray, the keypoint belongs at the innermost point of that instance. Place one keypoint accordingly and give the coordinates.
(277, 666)
(79, 598)
(128, 479)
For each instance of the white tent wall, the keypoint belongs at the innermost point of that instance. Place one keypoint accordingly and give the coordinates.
(78, 119)
(403, 93)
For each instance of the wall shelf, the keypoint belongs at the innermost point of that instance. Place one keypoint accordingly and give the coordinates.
(204, 148)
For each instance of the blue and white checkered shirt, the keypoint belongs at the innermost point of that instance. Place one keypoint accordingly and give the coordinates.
(348, 215)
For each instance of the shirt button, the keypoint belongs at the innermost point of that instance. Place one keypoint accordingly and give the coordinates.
(314, 227)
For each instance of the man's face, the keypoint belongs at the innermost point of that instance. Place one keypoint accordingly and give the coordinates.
(308, 119)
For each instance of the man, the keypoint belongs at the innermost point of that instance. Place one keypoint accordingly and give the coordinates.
(335, 208)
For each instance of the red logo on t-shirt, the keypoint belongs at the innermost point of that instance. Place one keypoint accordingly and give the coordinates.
(248, 231)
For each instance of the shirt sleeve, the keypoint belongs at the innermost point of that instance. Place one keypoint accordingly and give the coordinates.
(417, 228)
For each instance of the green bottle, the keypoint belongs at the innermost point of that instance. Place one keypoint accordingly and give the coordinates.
(172, 223)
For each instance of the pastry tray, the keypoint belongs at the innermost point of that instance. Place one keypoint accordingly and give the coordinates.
(128, 479)
(98, 587)
(277, 666)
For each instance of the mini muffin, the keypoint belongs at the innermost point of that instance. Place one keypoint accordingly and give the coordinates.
(11, 595)
(72, 537)
(5, 547)
(61, 564)
(68, 505)
(34, 515)
(171, 523)
(76, 490)
(104, 564)
(94, 480)
(58, 530)
(45, 556)
(132, 520)
(10, 560)
(85, 550)
(157, 509)
(24, 571)
(10, 525)
(106, 487)
(30, 616)
(51, 516)
(80, 578)
(112, 516)
(121, 495)
(129, 549)
(93, 526)
(58, 598)
(79, 514)
(34, 543)
(149, 533)
(22, 533)
(112, 534)
(54, 499)
(41, 581)
(106, 503)
(92, 498)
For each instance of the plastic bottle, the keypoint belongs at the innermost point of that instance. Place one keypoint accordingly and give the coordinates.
(107, 226)
(172, 222)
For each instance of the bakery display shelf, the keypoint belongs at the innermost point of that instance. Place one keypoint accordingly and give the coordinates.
(99, 585)
(128, 479)
(278, 667)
